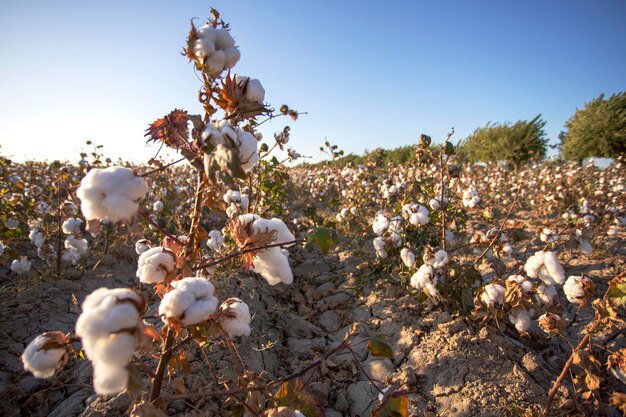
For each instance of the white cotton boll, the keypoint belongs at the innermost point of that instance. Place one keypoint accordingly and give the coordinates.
(381, 223)
(72, 226)
(254, 91)
(554, 268)
(353, 211)
(247, 149)
(613, 231)
(216, 240)
(71, 256)
(261, 225)
(44, 355)
(231, 211)
(20, 266)
(441, 259)
(232, 196)
(36, 237)
(297, 413)
(434, 204)
(521, 319)
(141, 246)
(379, 246)
(272, 265)
(190, 302)
(546, 294)
(416, 214)
(395, 232)
(109, 379)
(548, 235)
(245, 202)
(407, 257)
(112, 193)
(493, 294)
(154, 264)
(425, 280)
(80, 245)
(577, 289)
(507, 249)
(108, 311)
(235, 317)
(157, 206)
(215, 49)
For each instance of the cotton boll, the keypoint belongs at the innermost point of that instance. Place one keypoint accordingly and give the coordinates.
(381, 223)
(379, 246)
(71, 256)
(79, 245)
(109, 379)
(546, 294)
(554, 268)
(20, 266)
(111, 193)
(493, 294)
(72, 226)
(441, 259)
(425, 280)
(216, 240)
(521, 319)
(36, 237)
(407, 257)
(235, 317)
(45, 354)
(613, 231)
(190, 302)
(545, 266)
(272, 265)
(395, 232)
(578, 289)
(141, 246)
(416, 214)
(154, 265)
(253, 91)
(526, 285)
(215, 50)
(157, 206)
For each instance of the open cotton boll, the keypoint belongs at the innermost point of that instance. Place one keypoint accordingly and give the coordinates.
(20, 266)
(36, 237)
(416, 214)
(235, 317)
(379, 246)
(546, 294)
(578, 289)
(441, 259)
(216, 240)
(109, 379)
(526, 285)
(407, 257)
(471, 197)
(79, 245)
(72, 226)
(425, 280)
(154, 265)
(215, 50)
(157, 206)
(273, 265)
(141, 246)
(71, 255)
(258, 225)
(111, 193)
(395, 232)
(190, 302)
(254, 91)
(545, 266)
(45, 354)
(493, 294)
(381, 223)
(521, 319)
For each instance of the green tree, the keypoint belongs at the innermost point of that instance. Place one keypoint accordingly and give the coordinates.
(515, 143)
(598, 129)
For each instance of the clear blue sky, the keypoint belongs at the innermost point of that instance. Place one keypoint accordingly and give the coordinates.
(369, 74)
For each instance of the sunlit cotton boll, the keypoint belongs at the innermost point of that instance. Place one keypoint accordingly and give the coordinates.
(425, 280)
(273, 265)
(546, 295)
(20, 266)
(190, 302)
(157, 206)
(112, 193)
(577, 289)
(45, 354)
(521, 319)
(154, 264)
(416, 214)
(441, 259)
(215, 49)
(245, 142)
(141, 246)
(526, 285)
(216, 240)
(235, 317)
(254, 91)
(381, 223)
(108, 328)
(545, 266)
(72, 226)
(407, 257)
(395, 231)
(493, 294)
(379, 246)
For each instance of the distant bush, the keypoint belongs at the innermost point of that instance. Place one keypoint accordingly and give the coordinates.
(515, 143)
(598, 129)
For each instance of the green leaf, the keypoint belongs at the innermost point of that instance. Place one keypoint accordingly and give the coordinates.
(617, 291)
(322, 237)
(379, 348)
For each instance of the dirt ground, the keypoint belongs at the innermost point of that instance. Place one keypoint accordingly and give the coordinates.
(452, 366)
